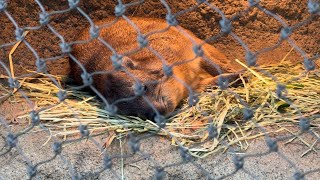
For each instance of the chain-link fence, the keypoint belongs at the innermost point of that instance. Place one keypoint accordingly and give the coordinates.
(132, 87)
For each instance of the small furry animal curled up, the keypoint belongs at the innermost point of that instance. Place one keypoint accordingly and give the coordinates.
(162, 91)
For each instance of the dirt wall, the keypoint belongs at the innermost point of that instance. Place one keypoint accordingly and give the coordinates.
(256, 29)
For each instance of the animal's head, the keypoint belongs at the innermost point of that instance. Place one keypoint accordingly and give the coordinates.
(137, 91)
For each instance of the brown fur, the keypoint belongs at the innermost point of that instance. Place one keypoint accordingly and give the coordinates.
(172, 45)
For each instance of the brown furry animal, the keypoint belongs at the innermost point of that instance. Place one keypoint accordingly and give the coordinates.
(164, 92)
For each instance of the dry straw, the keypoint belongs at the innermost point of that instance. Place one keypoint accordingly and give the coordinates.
(190, 127)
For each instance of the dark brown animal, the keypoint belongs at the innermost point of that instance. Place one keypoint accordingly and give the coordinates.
(164, 92)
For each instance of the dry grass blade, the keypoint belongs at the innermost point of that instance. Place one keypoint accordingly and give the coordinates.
(12, 51)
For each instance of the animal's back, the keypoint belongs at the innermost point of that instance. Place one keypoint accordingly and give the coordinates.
(173, 46)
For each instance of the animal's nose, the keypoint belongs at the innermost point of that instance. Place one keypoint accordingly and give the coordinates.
(151, 112)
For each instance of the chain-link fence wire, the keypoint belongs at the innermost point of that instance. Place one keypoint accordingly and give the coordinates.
(226, 29)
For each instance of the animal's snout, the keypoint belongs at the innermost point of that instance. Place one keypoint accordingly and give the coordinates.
(145, 109)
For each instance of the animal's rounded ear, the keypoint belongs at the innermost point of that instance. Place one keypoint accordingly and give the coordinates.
(128, 63)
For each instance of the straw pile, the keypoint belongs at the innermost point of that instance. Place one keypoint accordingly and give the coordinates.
(190, 127)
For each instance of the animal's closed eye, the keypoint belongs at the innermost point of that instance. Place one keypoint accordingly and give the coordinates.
(158, 73)
(155, 71)
(128, 63)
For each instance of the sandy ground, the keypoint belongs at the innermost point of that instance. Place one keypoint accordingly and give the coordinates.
(86, 158)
